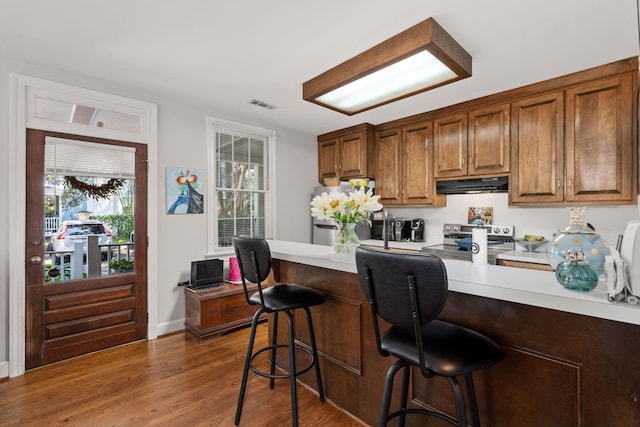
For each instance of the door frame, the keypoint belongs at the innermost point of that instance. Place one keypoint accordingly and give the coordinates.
(24, 90)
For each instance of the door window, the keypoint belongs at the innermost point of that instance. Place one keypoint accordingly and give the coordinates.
(88, 210)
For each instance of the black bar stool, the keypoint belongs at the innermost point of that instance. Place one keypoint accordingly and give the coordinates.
(409, 291)
(254, 260)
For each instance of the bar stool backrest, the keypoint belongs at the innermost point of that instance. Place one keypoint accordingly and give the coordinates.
(254, 260)
(404, 289)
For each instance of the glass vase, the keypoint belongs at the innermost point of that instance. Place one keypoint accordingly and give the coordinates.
(578, 236)
(575, 274)
(346, 239)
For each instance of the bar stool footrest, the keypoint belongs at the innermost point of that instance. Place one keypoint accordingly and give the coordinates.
(282, 376)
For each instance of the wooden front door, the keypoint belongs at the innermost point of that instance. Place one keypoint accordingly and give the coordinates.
(69, 316)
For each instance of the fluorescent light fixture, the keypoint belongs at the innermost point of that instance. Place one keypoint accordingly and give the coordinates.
(418, 59)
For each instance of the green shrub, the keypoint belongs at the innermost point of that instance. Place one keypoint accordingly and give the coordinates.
(121, 265)
(121, 225)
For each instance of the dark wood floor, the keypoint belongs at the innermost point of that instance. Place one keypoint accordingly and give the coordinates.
(171, 381)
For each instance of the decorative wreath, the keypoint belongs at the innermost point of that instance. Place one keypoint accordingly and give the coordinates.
(97, 192)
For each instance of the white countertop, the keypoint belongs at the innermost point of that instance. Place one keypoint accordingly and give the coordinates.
(524, 286)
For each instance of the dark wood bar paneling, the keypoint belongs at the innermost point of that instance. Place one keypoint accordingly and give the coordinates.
(561, 369)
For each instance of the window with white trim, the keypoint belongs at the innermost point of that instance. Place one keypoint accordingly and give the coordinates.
(240, 160)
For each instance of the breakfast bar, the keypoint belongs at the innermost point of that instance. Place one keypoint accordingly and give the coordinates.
(571, 358)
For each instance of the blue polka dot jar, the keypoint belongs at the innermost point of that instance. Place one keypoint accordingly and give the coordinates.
(578, 236)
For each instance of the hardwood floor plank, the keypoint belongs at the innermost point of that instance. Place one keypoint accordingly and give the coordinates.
(171, 381)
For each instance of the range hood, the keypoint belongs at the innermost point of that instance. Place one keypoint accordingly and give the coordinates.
(498, 184)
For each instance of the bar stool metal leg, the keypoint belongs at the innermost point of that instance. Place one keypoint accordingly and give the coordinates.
(471, 398)
(388, 389)
(274, 344)
(461, 413)
(292, 369)
(314, 350)
(405, 393)
(247, 363)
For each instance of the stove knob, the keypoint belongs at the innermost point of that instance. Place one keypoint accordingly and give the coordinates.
(496, 230)
(447, 227)
(505, 230)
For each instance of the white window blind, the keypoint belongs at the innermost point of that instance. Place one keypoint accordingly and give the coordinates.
(64, 157)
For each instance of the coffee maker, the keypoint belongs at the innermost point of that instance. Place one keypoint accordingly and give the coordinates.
(400, 231)
(417, 230)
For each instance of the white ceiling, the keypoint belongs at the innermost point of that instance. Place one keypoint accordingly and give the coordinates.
(221, 54)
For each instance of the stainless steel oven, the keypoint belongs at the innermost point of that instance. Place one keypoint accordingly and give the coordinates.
(500, 238)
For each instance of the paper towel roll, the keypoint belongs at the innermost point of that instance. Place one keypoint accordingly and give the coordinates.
(479, 245)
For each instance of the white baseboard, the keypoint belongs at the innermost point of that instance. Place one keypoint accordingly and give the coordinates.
(170, 327)
(4, 369)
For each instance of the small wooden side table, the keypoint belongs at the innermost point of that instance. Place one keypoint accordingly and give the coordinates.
(212, 312)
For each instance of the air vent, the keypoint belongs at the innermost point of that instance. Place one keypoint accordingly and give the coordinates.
(262, 104)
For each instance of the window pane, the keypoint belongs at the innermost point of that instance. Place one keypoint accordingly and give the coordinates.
(226, 207)
(242, 171)
(243, 204)
(225, 231)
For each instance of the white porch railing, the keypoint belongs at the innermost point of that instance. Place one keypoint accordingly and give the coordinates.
(86, 262)
(51, 223)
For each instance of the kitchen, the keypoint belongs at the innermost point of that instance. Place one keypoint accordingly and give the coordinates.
(182, 132)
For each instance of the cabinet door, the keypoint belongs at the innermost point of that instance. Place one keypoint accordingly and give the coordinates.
(353, 156)
(489, 142)
(450, 146)
(389, 151)
(537, 146)
(600, 141)
(418, 180)
(328, 159)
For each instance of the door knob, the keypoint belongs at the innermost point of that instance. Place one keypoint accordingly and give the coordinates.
(35, 259)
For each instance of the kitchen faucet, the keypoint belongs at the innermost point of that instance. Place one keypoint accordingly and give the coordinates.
(385, 230)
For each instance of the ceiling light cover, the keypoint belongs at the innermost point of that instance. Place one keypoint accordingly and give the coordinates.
(418, 59)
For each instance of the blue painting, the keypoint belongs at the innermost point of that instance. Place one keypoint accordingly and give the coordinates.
(185, 191)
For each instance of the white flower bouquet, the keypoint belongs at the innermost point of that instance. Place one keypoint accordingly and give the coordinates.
(346, 211)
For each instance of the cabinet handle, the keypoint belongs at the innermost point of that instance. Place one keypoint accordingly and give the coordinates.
(470, 159)
(463, 161)
(558, 183)
(570, 183)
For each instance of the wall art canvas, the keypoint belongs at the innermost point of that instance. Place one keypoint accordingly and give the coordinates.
(480, 215)
(185, 190)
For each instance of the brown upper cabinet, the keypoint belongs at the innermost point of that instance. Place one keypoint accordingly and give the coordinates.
(600, 153)
(389, 172)
(537, 148)
(476, 143)
(347, 153)
(568, 140)
(405, 166)
(450, 146)
(576, 145)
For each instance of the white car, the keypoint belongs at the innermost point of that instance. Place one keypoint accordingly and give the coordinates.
(73, 231)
